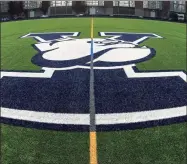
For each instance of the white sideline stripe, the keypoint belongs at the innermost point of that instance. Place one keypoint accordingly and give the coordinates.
(101, 119)
(133, 117)
(131, 74)
(46, 74)
(45, 117)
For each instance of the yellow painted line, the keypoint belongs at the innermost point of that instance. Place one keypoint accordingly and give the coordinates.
(92, 24)
(93, 148)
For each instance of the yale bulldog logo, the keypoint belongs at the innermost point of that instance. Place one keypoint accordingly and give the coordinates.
(57, 96)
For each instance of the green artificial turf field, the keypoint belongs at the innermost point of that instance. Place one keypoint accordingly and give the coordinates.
(157, 145)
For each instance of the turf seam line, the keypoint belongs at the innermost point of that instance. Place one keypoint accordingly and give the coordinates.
(93, 139)
(92, 96)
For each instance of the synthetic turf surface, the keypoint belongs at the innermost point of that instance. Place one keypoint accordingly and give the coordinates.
(158, 145)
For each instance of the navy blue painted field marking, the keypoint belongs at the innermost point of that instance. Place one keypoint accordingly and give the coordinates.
(114, 92)
(68, 92)
(65, 92)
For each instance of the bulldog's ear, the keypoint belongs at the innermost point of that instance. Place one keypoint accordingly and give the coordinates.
(47, 37)
(135, 38)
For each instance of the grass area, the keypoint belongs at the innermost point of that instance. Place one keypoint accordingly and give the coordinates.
(159, 145)
(28, 146)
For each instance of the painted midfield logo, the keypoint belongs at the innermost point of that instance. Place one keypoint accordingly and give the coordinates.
(57, 97)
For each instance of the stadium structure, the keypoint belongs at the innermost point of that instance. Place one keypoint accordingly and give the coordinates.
(152, 9)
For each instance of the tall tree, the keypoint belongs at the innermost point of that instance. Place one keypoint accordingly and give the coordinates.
(79, 7)
(45, 6)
